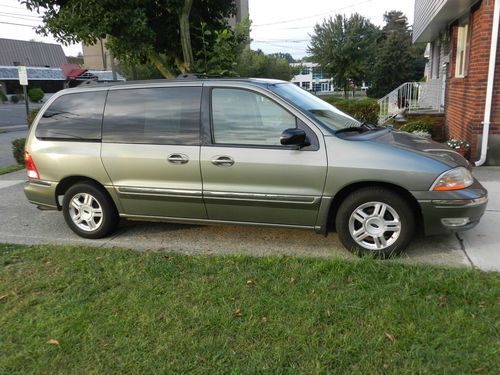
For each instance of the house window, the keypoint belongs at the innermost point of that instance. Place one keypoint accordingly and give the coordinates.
(461, 57)
(306, 85)
(305, 71)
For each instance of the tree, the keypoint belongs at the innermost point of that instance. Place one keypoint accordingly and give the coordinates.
(344, 48)
(282, 55)
(397, 60)
(257, 64)
(137, 31)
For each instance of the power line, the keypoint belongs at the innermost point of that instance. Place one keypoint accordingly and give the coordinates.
(21, 15)
(17, 24)
(312, 16)
(20, 18)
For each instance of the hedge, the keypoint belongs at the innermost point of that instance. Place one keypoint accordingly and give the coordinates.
(366, 110)
(18, 149)
(421, 125)
(35, 94)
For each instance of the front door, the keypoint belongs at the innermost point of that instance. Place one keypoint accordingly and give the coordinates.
(150, 149)
(248, 175)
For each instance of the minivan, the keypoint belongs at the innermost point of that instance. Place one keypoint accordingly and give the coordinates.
(242, 151)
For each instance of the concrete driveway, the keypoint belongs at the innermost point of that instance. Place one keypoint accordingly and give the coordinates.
(23, 223)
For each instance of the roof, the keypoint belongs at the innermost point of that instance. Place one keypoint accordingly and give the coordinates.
(34, 74)
(33, 54)
(432, 16)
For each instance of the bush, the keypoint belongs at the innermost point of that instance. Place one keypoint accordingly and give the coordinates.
(31, 116)
(18, 149)
(35, 94)
(366, 110)
(422, 125)
(14, 99)
(3, 97)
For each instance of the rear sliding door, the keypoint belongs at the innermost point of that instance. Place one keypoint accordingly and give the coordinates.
(150, 149)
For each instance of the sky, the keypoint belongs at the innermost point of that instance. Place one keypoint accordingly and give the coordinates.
(277, 25)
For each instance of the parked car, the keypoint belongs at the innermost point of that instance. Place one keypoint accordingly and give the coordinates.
(242, 151)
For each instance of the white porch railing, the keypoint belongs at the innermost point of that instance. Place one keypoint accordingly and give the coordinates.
(411, 97)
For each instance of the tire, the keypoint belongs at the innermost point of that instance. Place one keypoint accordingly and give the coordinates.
(375, 221)
(89, 211)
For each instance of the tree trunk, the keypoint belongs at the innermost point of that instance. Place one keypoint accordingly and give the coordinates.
(156, 61)
(187, 50)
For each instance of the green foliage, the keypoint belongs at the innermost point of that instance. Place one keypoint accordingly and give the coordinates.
(136, 31)
(398, 60)
(18, 149)
(281, 55)
(3, 97)
(35, 94)
(421, 125)
(257, 64)
(345, 48)
(365, 110)
(14, 99)
(31, 116)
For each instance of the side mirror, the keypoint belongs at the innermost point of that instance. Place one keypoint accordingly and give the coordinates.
(293, 137)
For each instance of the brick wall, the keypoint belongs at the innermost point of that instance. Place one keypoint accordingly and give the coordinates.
(465, 97)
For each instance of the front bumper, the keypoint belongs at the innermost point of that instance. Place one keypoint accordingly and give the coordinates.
(452, 211)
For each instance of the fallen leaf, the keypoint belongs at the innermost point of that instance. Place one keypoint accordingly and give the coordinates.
(53, 342)
(237, 313)
(97, 258)
(390, 337)
(332, 286)
(478, 370)
(250, 282)
(232, 299)
(4, 296)
(386, 365)
(292, 280)
(263, 319)
(482, 304)
(442, 298)
(114, 310)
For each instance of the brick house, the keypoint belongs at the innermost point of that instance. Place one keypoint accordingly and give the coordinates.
(464, 69)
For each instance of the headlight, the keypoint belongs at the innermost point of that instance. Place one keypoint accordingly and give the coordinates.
(454, 179)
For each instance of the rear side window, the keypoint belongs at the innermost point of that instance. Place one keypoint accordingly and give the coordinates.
(164, 115)
(73, 116)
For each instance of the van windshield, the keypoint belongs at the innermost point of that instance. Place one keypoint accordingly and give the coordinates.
(325, 113)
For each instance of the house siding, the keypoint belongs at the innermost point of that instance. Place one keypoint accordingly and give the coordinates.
(465, 97)
(425, 11)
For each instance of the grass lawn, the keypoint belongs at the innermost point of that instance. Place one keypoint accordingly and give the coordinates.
(78, 310)
(11, 168)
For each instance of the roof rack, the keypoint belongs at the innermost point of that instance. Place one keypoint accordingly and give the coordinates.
(196, 76)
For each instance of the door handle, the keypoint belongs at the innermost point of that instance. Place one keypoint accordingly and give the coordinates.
(222, 161)
(178, 159)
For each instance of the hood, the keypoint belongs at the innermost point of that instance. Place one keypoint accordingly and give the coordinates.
(424, 146)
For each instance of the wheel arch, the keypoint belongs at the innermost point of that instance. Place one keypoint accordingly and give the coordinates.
(67, 182)
(349, 189)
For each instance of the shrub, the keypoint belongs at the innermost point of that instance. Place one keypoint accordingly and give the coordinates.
(3, 97)
(35, 94)
(14, 99)
(366, 110)
(18, 149)
(422, 125)
(31, 116)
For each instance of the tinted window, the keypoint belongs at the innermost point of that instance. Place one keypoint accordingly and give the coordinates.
(244, 117)
(166, 115)
(73, 116)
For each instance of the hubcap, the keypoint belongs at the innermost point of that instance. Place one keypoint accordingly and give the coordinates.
(86, 212)
(375, 225)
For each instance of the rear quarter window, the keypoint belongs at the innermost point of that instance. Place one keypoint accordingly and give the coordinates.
(75, 116)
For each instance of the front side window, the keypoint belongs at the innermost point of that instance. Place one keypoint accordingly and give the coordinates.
(163, 115)
(73, 117)
(247, 118)
(461, 57)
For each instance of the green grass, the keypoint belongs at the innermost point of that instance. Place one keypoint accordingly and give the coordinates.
(11, 168)
(121, 312)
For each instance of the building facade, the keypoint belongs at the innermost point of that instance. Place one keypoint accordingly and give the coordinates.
(311, 78)
(464, 69)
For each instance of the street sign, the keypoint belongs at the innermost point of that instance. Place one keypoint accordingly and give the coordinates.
(23, 75)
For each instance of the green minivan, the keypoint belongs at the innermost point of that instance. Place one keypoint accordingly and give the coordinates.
(241, 151)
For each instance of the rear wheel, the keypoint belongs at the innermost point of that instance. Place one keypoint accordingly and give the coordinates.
(375, 221)
(89, 211)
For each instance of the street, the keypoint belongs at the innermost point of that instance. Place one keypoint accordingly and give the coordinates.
(22, 223)
(14, 114)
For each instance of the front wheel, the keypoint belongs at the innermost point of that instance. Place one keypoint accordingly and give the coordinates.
(375, 221)
(89, 211)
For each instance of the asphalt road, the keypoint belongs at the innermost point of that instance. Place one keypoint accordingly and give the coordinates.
(6, 138)
(23, 223)
(14, 114)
